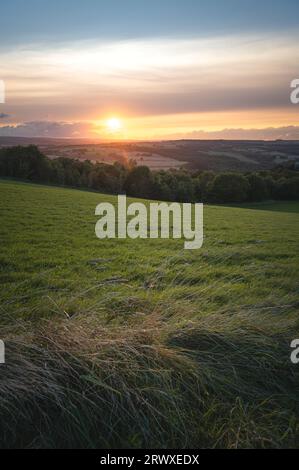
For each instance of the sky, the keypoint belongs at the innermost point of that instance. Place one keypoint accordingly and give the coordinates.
(149, 70)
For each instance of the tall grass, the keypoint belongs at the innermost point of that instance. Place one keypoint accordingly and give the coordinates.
(222, 381)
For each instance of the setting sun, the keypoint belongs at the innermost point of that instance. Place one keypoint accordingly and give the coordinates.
(114, 124)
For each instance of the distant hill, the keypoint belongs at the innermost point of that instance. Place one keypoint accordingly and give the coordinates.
(216, 155)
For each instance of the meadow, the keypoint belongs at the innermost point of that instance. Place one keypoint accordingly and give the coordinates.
(139, 343)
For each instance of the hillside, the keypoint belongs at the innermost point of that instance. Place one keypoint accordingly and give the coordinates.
(134, 343)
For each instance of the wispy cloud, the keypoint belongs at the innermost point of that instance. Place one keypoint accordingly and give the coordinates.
(89, 130)
(271, 133)
(150, 78)
(48, 129)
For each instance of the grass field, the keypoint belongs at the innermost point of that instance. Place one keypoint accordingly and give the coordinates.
(140, 343)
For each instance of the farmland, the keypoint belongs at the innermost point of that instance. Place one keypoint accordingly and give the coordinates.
(215, 155)
(139, 343)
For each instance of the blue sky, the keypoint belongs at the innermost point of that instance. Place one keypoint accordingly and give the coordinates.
(59, 20)
(163, 68)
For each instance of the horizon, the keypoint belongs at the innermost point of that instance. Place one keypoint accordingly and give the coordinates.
(99, 141)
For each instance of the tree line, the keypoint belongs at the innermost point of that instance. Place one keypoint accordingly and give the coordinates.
(28, 163)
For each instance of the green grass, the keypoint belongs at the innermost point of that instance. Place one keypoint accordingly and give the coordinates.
(140, 343)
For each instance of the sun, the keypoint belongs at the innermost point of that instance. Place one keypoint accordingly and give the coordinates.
(114, 124)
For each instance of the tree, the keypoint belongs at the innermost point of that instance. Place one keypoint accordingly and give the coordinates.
(258, 189)
(183, 186)
(139, 182)
(202, 185)
(164, 185)
(229, 187)
(25, 162)
(288, 189)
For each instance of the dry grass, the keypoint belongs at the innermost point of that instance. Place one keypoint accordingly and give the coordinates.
(218, 382)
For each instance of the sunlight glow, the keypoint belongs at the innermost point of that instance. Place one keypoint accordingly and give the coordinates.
(114, 124)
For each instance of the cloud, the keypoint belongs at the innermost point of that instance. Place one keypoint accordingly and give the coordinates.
(52, 129)
(47, 129)
(4, 116)
(270, 133)
(151, 76)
